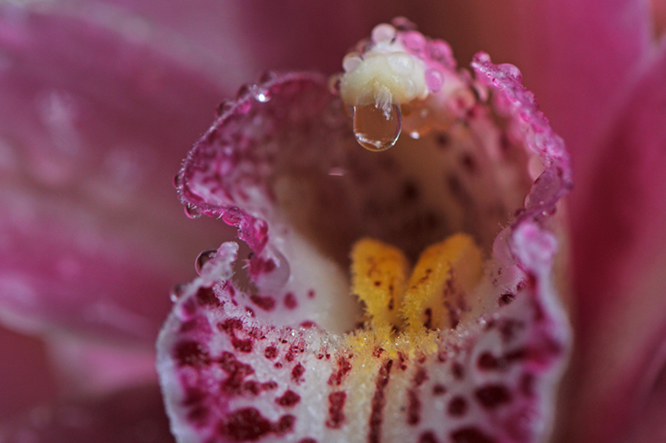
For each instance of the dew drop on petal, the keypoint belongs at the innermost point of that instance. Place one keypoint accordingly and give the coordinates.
(434, 80)
(260, 93)
(177, 180)
(192, 212)
(383, 33)
(334, 84)
(223, 107)
(351, 61)
(375, 129)
(267, 76)
(203, 258)
(176, 292)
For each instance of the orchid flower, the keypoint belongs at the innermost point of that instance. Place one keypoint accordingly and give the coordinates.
(53, 200)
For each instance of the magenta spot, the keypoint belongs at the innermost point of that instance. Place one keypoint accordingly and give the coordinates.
(413, 407)
(259, 266)
(308, 324)
(438, 390)
(270, 352)
(278, 365)
(267, 303)
(420, 376)
(343, 367)
(457, 406)
(290, 301)
(506, 298)
(285, 424)
(250, 311)
(191, 353)
(269, 385)
(336, 402)
(470, 435)
(236, 371)
(297, 373)
(311, 293)
(198, 415)
(378, 402)
(288, 399)
(245, 425)
(428, 437)
(492, 396)
(230, 325)
(458, 370)
(206, 296)
(242, 345)
(488, 362)
(249, 425)
(308, 440)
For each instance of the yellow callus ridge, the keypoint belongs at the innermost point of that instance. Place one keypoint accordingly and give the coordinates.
(444, 270)
(401, 310)
(379, 279)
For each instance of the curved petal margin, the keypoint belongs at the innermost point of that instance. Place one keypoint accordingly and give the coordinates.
(232, 370)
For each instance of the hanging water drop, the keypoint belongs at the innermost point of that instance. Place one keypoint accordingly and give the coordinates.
(203, 258)
(375, 129)
(192, 212)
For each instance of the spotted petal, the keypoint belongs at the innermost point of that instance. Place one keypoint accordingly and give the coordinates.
(263, 356)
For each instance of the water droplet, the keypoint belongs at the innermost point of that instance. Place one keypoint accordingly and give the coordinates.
(375, 129)
(549, 212)
(176, 180)
(176, 292)
(223, 107)
(267, 76)
(384, 33)
(192, 212)
(434, 80)
(203, 258)
(260, 94)
(242, 91)
(351, 61)
(334, 83)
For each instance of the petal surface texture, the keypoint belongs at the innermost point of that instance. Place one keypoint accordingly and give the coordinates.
(92, 237)
(619, 251)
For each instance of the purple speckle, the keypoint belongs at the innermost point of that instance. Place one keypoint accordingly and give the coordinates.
(492, 396)
(265, 302)
(270, 352)
(470, 435)
(191, 353)
(290, 301)
(288, 399)
(297, 373)
(336, 402)
(457, 406)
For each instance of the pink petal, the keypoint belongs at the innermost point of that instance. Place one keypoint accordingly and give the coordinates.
(91, 124)
(619, 245)
(261, 35)
(26, 378)
(132, 415)
(577, 57)
(235, 369)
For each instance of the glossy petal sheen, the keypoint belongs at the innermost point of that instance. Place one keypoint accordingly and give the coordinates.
(91, 237)
(270, 364)
(132, 415)
(619, 250)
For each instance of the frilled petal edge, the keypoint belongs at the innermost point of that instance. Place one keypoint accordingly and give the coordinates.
(237, 365)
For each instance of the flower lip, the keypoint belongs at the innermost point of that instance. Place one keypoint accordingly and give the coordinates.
(286, 170)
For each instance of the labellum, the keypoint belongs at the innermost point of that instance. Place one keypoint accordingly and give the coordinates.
(396, 296)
